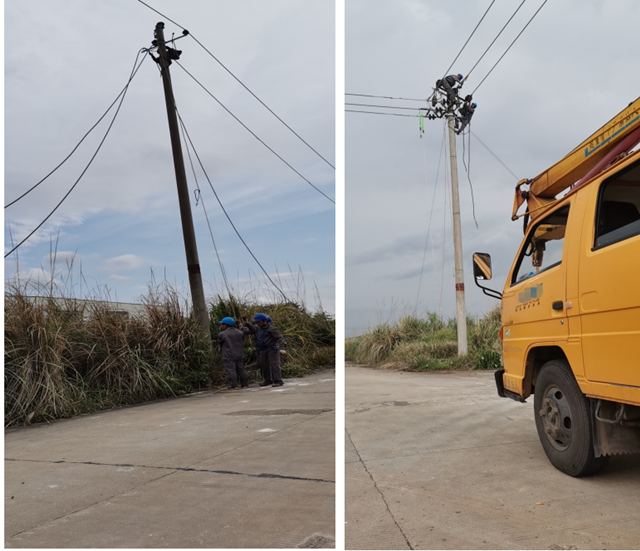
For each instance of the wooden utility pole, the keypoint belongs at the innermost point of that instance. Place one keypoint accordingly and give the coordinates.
(457, 240)
(191, 249)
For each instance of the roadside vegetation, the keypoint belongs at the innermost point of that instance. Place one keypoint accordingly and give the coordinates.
(430, 343)
(65, 357)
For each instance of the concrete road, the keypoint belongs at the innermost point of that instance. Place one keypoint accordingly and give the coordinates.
(253, 468)
(439, 461)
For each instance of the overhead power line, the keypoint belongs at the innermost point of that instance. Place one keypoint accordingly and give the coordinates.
(472, 33)
(204, 208)
(379, 113)
(252, 132)
(384, 106)
(225, 210)
(514, 41)
(241, 83)
(496, 38)
(133, 72)
(385, 97)
(492, 153)
(123, 91)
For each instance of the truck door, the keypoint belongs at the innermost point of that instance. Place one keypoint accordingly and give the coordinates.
(609, 282)
(534, 304)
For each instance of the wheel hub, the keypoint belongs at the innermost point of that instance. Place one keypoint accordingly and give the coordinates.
(556, 418)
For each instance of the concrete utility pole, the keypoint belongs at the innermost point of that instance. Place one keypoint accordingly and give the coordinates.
(191, 249)
(457, 240)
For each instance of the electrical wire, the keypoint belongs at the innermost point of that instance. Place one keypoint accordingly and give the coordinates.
(384, 97)
(199, 198)
(383, 106)
(472, 33)
(80, 142)
(252, 132)
(492, 153)
(496, 38)
(225, 210)
(113, 120)
(468, 171)
(378, 113)
(242, 83)
(433, 202)
(514, 41)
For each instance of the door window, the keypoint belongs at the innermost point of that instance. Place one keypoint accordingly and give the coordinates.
(618, 210)
(543, 248)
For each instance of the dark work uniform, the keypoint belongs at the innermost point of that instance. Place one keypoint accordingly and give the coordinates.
(466, 112)
(269, 342)
(231, 343)
(448, 83)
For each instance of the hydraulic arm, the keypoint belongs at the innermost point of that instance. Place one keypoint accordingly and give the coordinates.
(616, 138)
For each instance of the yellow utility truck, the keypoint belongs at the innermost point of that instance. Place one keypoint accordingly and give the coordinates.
(571, 301)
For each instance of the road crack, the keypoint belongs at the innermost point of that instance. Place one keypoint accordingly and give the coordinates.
(177, 469)
(375, 485)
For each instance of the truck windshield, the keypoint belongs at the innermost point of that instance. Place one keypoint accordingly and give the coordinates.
(543, 247)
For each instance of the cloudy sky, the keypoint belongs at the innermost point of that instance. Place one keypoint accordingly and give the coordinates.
(571, 70)
(67, 60)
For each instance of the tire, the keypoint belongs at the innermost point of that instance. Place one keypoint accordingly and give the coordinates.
(564, 421)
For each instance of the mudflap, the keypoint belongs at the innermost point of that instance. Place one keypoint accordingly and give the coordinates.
(500, 383)
(613, 433)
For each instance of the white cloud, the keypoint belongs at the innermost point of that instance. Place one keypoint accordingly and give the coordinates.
(122, 262)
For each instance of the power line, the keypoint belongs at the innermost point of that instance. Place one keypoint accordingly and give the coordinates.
(472, 33)
(514, 41)
(83, 138)
(133, 72)
(243, 85)
(492, 153)
(385, 97)
(433, 202)
(199, 198)
(251, 132)
(496, 38)
(383, 106)
(225, 210)
(378, 113)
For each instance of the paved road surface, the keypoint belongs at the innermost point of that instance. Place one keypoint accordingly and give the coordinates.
(439, 461)
(249, 469)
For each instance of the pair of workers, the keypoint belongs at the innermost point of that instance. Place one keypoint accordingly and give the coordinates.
(270, 346)
(451, 84)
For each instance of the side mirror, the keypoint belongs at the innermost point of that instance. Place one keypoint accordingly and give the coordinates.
(482, 266)
(482, 271)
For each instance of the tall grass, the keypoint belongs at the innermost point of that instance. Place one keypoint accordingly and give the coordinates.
(430, 343)
(64, 357)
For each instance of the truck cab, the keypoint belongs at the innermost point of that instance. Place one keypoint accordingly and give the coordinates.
(571, 319)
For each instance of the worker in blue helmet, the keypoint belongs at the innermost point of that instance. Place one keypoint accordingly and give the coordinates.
(451, 84)
(467, 109)
(230, 340)
(270, 345)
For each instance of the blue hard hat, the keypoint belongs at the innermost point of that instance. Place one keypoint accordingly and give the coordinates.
(228, 321)
(474, 104)
(460, 75)
(261, 317)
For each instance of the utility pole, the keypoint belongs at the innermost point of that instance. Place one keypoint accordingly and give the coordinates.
(457, 240)
(191, 249)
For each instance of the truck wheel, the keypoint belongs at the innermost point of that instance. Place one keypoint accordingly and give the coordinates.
(564, 421)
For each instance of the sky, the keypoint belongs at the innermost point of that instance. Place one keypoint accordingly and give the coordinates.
(571, 70)
(119, 230)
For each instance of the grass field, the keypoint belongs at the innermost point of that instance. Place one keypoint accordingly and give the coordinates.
(64, 357)
(430, 343)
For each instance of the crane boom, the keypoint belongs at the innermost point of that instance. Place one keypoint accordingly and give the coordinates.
(617, 136)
